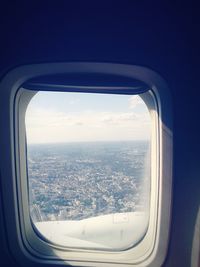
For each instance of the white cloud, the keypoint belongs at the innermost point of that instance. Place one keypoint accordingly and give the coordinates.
(50, 126)
(135, 101)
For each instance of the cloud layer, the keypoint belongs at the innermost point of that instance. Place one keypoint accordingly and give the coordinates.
(45, 126)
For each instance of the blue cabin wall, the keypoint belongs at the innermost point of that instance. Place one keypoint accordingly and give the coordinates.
(161, 37)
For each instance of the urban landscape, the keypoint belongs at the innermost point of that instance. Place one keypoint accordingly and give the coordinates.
(74, 181)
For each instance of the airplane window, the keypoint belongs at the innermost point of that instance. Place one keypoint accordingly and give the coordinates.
(89, 177)
(88, 164)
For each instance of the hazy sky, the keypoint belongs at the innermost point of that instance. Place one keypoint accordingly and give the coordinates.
(53, 117)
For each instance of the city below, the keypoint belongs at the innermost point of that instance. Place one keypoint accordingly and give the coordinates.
(75, 181)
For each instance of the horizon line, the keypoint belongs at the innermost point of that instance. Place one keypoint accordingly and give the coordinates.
(96, 141)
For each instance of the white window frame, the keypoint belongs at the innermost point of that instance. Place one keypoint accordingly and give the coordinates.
(24, 243)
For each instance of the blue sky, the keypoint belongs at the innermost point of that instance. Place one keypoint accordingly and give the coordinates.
(53, 117)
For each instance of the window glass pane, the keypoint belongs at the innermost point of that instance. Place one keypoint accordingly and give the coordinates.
(89, 168)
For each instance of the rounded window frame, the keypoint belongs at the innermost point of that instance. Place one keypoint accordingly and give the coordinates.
(26, 240)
